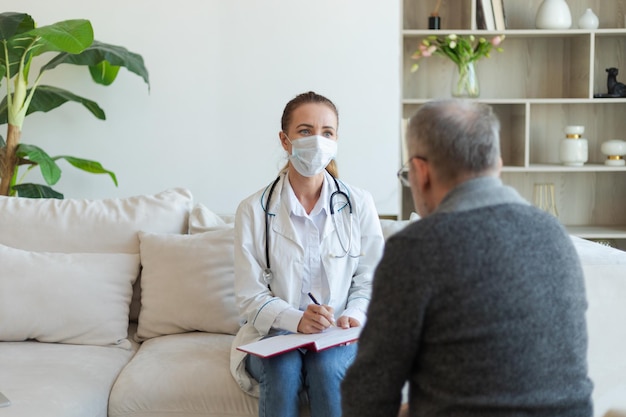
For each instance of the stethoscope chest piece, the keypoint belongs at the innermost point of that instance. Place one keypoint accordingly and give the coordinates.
(267, 276)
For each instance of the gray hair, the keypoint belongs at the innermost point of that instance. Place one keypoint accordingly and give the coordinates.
(458, 137)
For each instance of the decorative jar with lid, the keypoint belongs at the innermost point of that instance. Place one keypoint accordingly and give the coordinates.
(614, 151)
(574, 149)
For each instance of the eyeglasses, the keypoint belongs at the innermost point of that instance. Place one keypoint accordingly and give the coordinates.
(403, 173)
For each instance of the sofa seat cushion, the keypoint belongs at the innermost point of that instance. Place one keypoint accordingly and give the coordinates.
(59, 380)
(605, 281)
(181, 375)
(606, 320)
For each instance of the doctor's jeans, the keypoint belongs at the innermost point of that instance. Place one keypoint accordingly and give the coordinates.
(283, 377)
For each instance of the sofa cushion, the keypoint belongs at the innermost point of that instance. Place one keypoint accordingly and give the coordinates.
(181, 375)
(100, 226)
(202, 219)
(605, 281)
(79, 298)
(187, 283)
(606, 318)
(55, 379)
(390, 227)
(107, 225)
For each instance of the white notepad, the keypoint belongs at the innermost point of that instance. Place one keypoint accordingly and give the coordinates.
(271, 346)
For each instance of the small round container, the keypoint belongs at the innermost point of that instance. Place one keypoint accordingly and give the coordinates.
(614, 150)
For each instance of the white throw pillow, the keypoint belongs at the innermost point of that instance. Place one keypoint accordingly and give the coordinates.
(187, 283)
(99, 226)
(201, 220)
(79, 298)
(391, 227)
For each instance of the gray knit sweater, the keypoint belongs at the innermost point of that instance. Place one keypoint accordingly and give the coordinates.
(481, 307)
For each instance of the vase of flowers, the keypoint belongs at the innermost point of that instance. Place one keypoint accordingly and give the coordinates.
(463, 51)
(465, 81)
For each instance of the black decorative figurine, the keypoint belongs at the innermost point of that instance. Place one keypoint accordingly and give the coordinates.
(615, 88)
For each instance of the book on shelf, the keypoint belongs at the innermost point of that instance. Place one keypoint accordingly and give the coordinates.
(484, 15)
(499, 15)
(331, 337)
(480, 16)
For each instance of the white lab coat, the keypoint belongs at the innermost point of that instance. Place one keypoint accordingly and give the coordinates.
(349, 278)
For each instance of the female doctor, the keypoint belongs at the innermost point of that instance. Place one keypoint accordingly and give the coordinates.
(306, 247)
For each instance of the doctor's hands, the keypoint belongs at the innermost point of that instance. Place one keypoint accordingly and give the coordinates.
(346, 322)
(316, 318)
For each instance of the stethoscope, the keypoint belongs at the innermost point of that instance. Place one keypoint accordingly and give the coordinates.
(267, 272)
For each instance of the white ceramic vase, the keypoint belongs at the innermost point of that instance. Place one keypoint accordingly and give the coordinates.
(574, 149)
(553, 14)
(588, 20)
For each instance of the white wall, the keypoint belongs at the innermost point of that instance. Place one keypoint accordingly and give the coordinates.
(221, 72)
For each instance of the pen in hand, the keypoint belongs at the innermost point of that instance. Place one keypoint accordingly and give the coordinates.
(332, 321)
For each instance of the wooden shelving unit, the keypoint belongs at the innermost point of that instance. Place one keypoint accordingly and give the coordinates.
(543, 81)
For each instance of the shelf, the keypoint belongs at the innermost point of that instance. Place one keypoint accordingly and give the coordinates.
(587, 168)
(515, 33)
(418, 101)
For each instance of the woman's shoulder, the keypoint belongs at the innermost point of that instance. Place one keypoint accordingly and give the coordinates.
(258, 199)
(356, 193)
(351, 189)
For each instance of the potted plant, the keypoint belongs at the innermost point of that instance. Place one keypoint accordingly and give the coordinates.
(71, 42)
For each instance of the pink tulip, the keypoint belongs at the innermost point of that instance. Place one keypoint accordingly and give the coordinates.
(458, 48)
(429, 51)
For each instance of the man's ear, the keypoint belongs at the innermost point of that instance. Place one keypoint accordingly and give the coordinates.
(423, 176)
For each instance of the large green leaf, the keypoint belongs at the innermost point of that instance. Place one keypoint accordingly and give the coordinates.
(12, 23)
(70, 36)
(104, 72)
(116, 56)
(36, 191)
(86, 165)
(50, 171)
(48, 98)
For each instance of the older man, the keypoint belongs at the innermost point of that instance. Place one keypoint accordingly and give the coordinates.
(480, 305)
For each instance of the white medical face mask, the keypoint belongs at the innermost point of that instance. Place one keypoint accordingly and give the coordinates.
(310, 155)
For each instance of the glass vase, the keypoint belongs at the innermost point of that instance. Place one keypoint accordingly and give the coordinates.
(543, 196)
(465, 81)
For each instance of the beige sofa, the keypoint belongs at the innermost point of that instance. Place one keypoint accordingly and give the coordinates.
(69, 289)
